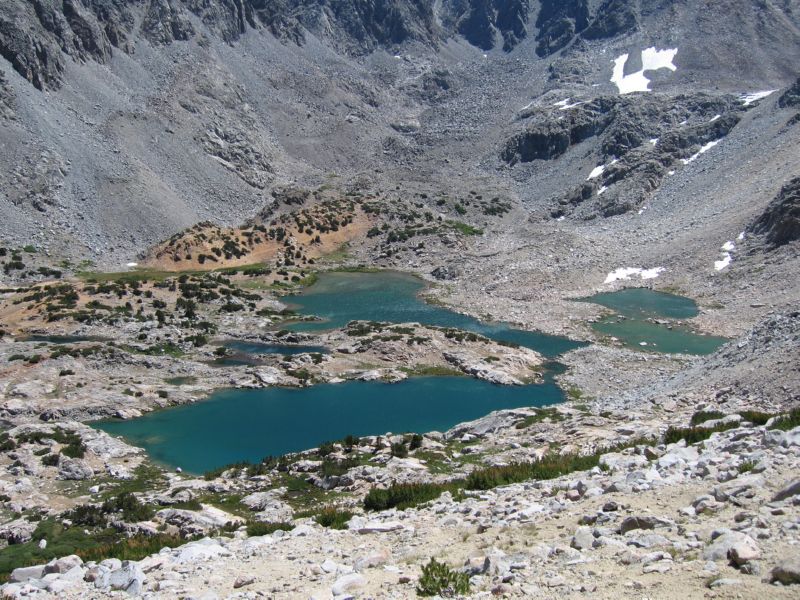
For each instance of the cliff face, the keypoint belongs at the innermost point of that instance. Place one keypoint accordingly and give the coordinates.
(37, 37)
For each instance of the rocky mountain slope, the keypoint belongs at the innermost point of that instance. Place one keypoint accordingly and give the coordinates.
(123, 122)
(169, 169)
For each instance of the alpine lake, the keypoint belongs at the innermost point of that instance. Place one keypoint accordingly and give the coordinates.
(235, 425)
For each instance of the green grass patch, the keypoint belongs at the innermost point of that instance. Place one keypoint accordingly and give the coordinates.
(95, 545)
(464, 228)
(541, 415)
(146, 477)
(575, 393)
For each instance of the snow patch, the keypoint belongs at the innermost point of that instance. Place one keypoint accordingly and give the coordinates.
(652, 60)
(641, 210)
(714, 118)
(653, 141)
(596, 172)
(748, 99)
(132, 264)
(625, 273)
(703, 150)
(726, 250)
(565, 105)
(651, 273)
(740, 237)
(721, 264)
(601, 190)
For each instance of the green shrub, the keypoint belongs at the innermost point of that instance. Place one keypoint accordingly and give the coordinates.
(50, 460)
(746, 466)
(400, 450)
(539, 416)
(192, 504)
(337, 467)
(255, 528)
(74, 449)
(701, 416)
(755, 417)
(129, 506)
(325, 448)
(787, 422)
(549, 466)
(87, 515)
(438, 579)
(692, 435)
(97, 544)
(405, 495)
(333, 518)
(6, 442)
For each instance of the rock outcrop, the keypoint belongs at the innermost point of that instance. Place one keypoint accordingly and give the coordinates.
(780, 222)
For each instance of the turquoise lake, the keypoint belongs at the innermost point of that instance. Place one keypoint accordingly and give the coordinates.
(339, 298)
(236, 425)
(634, 330)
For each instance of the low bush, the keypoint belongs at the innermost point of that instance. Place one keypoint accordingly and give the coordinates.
(333, 518)
(692, 435)
(255, 528)
(438, 579)
(332, 468)
(701, 416)
(406, 495)
(755, 417)
(788, 421)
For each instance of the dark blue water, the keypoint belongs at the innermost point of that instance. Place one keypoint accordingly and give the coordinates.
(339, 298)
(236, 425)
(63, 339)
(247, 347)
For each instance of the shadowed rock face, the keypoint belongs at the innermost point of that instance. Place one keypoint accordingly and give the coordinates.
(780, 222)
(483, 21)
(35, 36)
(614, 17)
(791, 97)
(558, 22)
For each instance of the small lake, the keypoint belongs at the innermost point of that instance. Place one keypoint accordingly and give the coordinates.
(236, 425)
(339, 298)
(634, 306)
(248, 347)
